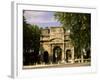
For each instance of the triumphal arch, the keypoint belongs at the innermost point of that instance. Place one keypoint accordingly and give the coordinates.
(57, 43)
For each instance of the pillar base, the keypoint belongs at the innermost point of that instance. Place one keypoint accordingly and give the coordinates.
(63, 61)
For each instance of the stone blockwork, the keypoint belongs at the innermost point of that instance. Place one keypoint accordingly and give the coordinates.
(57, 43)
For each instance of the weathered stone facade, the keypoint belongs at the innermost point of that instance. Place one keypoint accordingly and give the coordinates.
(58, 44)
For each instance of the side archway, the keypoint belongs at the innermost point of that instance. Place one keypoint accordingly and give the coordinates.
(68, 55)
(46, 57)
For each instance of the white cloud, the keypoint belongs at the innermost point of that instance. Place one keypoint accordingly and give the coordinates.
(38, 17)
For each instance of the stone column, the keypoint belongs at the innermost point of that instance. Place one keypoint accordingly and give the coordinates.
(82, 60)
(63, 55)
(51, 52)
(72, 55)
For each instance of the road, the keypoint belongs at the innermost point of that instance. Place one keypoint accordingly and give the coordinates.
(56, 65)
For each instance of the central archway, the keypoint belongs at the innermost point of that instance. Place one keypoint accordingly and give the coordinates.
(57, 54)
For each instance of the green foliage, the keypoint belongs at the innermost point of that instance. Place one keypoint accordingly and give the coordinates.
(31, 37)
(31, 41)
(79, 25)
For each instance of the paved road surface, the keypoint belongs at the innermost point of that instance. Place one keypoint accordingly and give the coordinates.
(56, 65)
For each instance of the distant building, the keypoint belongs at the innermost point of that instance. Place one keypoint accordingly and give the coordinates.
(57, 43)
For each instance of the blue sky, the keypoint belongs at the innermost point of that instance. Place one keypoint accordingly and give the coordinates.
(41, 18)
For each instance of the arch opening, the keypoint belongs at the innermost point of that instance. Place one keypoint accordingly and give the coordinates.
(57, 54)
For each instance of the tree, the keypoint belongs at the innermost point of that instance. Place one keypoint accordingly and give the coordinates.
(31, 42)
(79, 25)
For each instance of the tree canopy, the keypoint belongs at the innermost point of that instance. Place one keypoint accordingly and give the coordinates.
(79, 25)
(31, 36)
(31, 42)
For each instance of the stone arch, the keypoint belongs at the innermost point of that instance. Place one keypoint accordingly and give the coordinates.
(57, 54)
(46, 57)
(68, 55)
